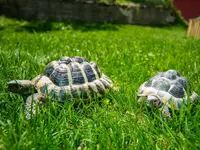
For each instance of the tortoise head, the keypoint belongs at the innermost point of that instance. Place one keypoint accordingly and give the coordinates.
(24, 87)
(154, 101)
(149, 95)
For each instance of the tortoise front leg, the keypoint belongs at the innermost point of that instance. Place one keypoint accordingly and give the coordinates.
(31, 104)
(166, 112)
(194, 97)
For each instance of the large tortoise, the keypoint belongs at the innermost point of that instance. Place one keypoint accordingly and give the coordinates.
(165, 90)
(65, 79)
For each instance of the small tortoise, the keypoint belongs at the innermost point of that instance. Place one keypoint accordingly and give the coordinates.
(65, 79)
(166, 89)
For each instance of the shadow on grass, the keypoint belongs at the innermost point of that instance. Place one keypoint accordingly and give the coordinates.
(1, 28)
(39, 26)
(45, 26)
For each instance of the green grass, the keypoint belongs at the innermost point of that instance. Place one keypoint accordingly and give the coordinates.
(129, 55)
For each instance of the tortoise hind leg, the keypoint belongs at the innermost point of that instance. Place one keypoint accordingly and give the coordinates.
(31, 105)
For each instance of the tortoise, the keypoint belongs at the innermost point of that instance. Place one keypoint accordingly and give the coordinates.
(166, 90)
(68, 78)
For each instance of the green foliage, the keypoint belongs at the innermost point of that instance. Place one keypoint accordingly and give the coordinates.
(128, 54)
(179, 18)
(165, 3)
(150, 1)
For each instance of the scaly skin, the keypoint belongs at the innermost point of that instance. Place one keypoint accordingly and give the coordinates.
(27, 88)
(24, 87)
(31, 104)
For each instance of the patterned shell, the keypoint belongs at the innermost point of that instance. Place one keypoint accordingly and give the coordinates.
(169, 84)
(74, 78)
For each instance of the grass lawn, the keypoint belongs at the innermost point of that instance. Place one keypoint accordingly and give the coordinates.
(129, 55)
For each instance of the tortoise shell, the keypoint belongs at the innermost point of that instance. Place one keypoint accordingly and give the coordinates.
(72, 78)
(166, 87)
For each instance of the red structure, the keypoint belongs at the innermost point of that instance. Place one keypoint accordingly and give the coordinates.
(189, 8)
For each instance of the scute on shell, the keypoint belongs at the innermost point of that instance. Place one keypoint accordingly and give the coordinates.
(177, 90)
(171, 74)
(79, 59)
(161, 84)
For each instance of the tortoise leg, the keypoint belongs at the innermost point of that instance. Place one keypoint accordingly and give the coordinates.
(165, 112)
(31, 104)
(194, 97)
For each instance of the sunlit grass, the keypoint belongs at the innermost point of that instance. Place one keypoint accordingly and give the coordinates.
(129, 55)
